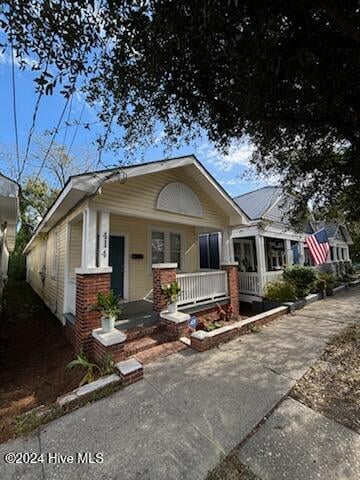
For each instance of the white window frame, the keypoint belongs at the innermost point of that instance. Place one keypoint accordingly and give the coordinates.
(167, 232)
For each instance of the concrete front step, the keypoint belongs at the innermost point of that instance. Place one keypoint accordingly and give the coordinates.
(144, 343)
(159, 351)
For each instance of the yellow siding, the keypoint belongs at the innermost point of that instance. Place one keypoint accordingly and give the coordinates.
(52, 290)
(138, 232)
(138, 196)
(75, 248)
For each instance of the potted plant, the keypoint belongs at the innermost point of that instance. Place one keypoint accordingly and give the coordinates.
(171, 292)
(108, 304)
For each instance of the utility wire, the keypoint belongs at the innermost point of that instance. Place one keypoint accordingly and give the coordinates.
(14, 111)
(68, 120)
(52, 139)
(76, 129)
(31, 130)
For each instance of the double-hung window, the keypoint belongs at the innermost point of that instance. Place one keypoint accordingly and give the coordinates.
(166, 247)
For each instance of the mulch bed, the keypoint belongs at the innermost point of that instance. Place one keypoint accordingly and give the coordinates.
(33, 355)
(332, 385)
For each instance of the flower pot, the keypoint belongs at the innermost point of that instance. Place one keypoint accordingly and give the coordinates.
(107, 324)
(172, 307)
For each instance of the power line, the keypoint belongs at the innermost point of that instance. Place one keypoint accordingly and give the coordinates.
(31, 130)
(52, 138)
(76, 129)
(14, 110)
(68, 120)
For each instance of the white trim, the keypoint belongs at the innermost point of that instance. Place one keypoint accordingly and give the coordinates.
(66, 271)
(92, 270)
(118, 233)
(164, 265)
(179, 198)
(166, 230)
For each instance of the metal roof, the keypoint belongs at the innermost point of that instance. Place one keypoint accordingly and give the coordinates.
(257, 203)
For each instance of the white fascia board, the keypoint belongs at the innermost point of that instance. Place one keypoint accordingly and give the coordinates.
(52, 210)
(156, 167)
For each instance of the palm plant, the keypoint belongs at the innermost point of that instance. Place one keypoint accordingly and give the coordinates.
(81, 361)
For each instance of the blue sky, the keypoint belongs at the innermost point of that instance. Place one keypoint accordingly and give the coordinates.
(228, 170)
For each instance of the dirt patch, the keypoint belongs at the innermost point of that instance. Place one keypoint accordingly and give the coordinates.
(231, 469)
(33, 355)
(332, 385)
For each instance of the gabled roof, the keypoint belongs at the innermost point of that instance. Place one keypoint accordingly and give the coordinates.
(333, 228)
(258, 203)
(78, 187)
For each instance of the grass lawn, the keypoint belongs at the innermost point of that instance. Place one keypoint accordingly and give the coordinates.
(33, 355)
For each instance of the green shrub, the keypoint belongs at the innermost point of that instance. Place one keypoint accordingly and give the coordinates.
(303, 278)
(328, 278)
(280, 291)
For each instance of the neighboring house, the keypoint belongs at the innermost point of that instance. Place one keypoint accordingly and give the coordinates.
(132, 229)
(9, 214)
(269, 244)
(339, 241)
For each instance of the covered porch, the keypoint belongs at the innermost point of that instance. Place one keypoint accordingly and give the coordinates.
(262, 255)
(127, 247)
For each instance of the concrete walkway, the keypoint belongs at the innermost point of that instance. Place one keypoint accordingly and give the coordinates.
(192, 408)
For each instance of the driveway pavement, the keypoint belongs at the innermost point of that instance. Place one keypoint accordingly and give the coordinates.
(192, 408)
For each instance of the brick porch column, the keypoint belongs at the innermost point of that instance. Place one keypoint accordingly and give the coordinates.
(232, 271)
(88, 284)
(163, 273)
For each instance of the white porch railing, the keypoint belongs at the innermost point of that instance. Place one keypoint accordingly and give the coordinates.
(202, 286)
(249, 282)
(252, 283)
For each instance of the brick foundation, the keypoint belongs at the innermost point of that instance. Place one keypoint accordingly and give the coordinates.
(232, 331)
(232, 271)
(174, 330)
(87, 288)
(161, 276)
(100, 351)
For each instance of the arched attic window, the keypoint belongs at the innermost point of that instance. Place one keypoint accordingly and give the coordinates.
(179, 198)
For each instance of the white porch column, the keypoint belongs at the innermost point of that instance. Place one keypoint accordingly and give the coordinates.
(261, 263)
(302, 253)
(89, 235)
(104, 239)
(288, 253)
(227, 247)
(335, 255)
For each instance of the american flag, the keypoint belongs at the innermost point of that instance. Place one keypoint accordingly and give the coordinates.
(319, 247)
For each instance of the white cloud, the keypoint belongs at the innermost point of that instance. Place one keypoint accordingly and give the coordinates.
(239, 154)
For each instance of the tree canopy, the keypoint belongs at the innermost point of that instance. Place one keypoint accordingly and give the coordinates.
(283, 74)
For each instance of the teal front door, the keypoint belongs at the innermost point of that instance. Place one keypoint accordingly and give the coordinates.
(117, 260)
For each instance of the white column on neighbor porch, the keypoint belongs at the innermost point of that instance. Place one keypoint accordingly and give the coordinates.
(261, 262)
(335, 255)
(302, 253)
(89, 236)
(227, 247)
(288, 253)
(104, 238)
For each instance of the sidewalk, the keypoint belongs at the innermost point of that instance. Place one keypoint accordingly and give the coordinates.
(192, 408)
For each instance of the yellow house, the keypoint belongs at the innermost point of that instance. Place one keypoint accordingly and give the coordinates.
(121, 222)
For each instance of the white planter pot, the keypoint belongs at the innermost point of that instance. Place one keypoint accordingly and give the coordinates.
(172, 307)
(107, 324)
